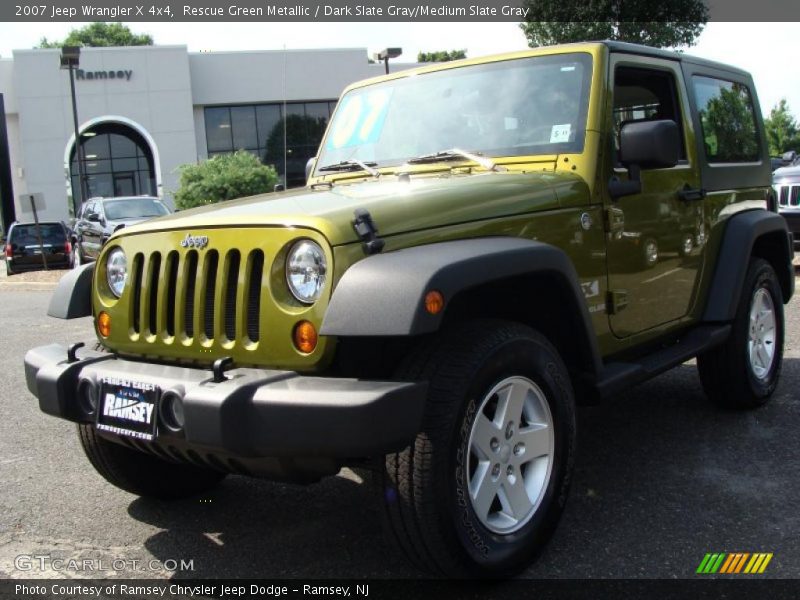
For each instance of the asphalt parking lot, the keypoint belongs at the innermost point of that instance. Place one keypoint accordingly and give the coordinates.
(661, 479)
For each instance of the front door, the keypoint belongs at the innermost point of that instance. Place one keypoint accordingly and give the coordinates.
(656, 236)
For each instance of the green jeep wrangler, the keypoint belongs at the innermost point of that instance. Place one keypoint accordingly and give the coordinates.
(481, 246)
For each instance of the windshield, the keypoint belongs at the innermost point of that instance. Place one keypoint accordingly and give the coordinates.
(134, 208)
(511, 108)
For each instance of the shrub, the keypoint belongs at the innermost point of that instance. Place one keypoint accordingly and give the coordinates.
(223, 177)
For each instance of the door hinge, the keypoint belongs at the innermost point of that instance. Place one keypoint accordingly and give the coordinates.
(613, 220)
(616, 300)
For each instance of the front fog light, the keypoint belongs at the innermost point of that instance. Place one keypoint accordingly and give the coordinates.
(116, 271)
(306, 271)
(172, 410)
(87, 396)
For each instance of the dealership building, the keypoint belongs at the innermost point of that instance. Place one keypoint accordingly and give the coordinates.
(145, 111)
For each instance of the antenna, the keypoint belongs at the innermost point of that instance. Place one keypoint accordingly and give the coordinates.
(285, 117)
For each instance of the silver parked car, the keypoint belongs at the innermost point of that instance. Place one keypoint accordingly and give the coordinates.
(786, 183)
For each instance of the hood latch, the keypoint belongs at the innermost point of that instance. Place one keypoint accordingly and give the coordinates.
(366, 230)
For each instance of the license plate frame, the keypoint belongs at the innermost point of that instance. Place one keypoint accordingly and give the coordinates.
(128, 407)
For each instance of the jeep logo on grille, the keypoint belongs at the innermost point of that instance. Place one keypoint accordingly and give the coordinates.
(194, 241)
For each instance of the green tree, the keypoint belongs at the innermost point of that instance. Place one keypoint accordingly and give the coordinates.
(223, 177)
(783, 133)
(441, 56)
(100, 34)
(670, 23)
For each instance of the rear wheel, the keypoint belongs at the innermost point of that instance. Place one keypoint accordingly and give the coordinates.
(481, 489)
(143, 474)
(744, 372)
(9, 270)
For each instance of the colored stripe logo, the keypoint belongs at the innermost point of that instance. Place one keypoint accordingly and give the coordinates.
(732, 563)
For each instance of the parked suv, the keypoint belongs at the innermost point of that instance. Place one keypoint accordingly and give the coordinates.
(98, 218)
(786, 182)
(453, 280)
(26, 251)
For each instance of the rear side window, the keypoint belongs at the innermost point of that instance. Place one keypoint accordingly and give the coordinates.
(727, 119)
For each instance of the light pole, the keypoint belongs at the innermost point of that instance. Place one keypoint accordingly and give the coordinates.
(386, 54)
(70, 58)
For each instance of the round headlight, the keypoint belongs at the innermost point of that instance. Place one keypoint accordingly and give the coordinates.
(116, 271)
(305, 271)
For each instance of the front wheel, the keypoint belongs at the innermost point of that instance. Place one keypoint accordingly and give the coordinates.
(76, 255)
(481, 489)
(649, 253)
(687, 245)
(744, 371)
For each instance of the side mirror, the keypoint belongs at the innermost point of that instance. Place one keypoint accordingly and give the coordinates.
(93, 217)
(645, 145)
(788, 157)
(310, 166)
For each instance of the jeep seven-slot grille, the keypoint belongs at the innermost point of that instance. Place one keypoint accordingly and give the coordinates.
(216, 295)
(789, 195)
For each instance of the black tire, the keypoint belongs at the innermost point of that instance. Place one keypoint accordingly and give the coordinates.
(728, 376)
(649, 257)
(143, 474)
(686, 245)
(424, 488)
(76, 259)
(9, 271)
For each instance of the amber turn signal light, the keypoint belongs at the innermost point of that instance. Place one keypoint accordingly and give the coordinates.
(104, 324)
(305, 337)
(434, 302)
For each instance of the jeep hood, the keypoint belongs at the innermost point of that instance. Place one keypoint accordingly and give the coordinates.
(396, 206)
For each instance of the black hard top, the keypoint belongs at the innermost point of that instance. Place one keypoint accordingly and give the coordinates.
(628, 48)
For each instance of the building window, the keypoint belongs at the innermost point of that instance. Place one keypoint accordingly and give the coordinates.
(259, 128)
(117, 162)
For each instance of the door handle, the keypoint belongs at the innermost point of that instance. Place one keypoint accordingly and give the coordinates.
(689, 194)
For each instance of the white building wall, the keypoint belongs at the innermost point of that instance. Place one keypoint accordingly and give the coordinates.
(17, 167)
(275, 75)
(157, 97)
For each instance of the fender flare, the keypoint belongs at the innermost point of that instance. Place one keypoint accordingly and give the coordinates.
(742, 232)
(72, 297)
(383, 294)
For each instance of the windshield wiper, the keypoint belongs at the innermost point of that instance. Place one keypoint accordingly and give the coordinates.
(455, 154)
(353, 165)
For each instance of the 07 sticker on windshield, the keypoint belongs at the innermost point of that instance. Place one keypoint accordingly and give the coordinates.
(360, 119)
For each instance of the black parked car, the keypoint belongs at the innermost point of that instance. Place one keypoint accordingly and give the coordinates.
(24, 253)
(98, 218)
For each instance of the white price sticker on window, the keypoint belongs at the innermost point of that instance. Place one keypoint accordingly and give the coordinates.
(560, 133)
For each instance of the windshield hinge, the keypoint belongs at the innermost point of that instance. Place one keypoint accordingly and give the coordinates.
(366, 230)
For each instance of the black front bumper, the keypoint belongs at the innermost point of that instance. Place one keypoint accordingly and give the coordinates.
(253, 413)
